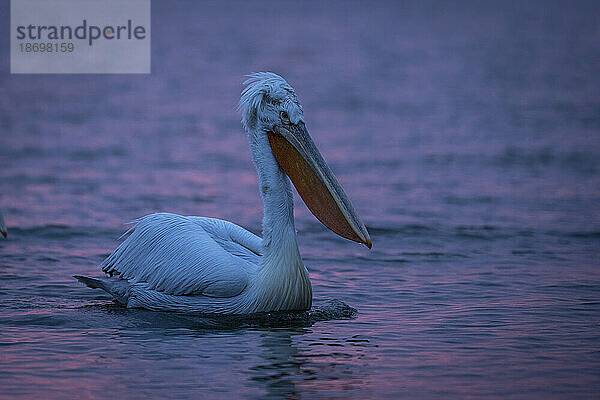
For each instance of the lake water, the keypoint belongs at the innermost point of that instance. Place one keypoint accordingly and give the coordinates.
(466, 135)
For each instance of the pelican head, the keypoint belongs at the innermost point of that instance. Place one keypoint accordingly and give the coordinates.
(273, 118)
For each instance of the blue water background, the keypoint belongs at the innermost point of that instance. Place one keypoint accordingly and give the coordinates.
(467, 135)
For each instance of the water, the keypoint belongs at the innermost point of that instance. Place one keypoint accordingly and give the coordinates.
(466, 135)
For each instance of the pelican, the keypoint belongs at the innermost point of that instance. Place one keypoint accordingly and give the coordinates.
(170, 262)
(2, 225)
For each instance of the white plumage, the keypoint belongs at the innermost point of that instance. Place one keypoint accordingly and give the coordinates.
(2, 225)
(196, 264)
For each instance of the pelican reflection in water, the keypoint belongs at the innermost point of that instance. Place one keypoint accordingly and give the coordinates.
(196, 264)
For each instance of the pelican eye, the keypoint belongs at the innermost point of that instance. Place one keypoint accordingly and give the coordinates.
(285, 118)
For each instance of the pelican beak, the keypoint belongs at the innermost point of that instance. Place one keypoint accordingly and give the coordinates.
(2, 226)
(298, 156)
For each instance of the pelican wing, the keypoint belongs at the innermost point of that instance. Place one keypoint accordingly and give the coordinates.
(186, 255)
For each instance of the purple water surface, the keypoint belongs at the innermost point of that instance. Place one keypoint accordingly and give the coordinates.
(466, 134)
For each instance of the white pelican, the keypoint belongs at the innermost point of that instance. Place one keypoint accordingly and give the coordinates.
(171, 262)
(2, 225)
